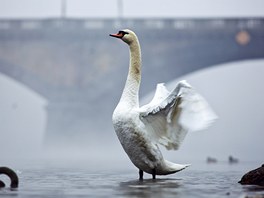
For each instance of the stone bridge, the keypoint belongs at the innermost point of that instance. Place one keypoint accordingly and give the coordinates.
(80, 70)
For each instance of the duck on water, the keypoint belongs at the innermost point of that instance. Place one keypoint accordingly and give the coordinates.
(165, 120)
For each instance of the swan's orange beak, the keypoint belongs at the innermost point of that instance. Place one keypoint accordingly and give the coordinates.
(118, 35)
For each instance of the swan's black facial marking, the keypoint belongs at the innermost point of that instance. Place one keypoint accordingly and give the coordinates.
(123, 33)
(120, 34)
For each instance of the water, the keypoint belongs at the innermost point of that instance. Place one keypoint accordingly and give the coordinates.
(203, 180)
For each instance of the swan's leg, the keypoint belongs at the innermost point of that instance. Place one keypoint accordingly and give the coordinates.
(154, 173)
(140, 174)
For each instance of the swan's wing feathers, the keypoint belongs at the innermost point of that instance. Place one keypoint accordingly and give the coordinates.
(168, 121)
(160, 94)
(197, 114)
(161, 124)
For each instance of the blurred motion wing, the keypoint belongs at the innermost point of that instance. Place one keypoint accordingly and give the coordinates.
(170, 115)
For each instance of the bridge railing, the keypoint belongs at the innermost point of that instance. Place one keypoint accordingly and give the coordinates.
(95, 24)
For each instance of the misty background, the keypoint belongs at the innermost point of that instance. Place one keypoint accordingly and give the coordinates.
(232, 87)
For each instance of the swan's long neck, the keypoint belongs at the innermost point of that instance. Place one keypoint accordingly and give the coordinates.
(130, 92)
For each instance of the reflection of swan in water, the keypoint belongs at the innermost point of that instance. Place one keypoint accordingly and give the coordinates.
(167, 183)
(165, 120)
(11, 174)
(150, 188)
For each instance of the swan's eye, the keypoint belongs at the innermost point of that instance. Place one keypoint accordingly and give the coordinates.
(123, 32)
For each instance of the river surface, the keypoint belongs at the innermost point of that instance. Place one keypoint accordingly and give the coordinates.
(199, 180)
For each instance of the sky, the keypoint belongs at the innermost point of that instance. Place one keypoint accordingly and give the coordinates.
(132, 8)
(235, 90)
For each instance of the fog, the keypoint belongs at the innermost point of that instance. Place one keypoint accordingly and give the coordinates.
(233, 90)
(23, 119)
(131, 8)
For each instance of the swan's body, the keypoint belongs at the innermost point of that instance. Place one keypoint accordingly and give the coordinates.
(165, 120)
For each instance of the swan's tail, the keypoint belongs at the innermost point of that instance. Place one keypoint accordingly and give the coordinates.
(173, 168)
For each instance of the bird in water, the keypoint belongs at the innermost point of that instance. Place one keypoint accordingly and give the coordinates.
(254, 177)
(11, 174)
(165, 120)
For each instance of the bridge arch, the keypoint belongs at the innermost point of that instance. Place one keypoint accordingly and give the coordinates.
(23, 76)
(203, 76)
(60, 69)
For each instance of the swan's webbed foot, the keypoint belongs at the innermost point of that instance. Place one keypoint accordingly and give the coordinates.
(140, 174)
(154, 173)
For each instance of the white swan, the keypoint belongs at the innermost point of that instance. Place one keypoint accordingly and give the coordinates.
(165, 120)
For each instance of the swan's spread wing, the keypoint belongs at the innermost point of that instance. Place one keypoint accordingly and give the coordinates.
(168, 119)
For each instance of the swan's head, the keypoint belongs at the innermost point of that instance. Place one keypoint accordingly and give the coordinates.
(126, 35)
